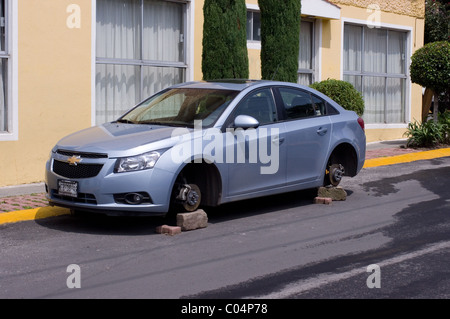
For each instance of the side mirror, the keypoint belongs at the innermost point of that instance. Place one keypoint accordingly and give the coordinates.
(245, 122)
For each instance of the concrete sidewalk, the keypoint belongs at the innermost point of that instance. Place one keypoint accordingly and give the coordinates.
(17, 200)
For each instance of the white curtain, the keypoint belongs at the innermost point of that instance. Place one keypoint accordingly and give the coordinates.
(355, 80)
(305, 60)
(383, 55)
(163, 25)
(375, 50)
(352, 47)
(118, 29)
(395, 99)
(304, 79)
(125, 44)
(305, 56)
(396, 52)
(117, 90)
(374, 93)
(155, 79)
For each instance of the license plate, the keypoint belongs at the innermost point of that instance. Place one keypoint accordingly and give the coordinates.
(68, 188)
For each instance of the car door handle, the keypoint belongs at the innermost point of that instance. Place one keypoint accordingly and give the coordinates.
(322, 131)
(278, 140)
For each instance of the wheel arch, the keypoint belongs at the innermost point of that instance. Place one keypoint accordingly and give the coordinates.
(206, 176)
(345, 154)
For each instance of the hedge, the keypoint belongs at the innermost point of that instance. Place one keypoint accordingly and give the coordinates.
(343, 93)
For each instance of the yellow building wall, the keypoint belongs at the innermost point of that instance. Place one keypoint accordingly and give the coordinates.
(332, 51)
(54, 85)
(198, 39)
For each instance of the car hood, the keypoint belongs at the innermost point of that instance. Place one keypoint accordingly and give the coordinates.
(118, 139)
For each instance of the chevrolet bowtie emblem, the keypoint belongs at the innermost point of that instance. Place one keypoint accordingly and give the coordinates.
(74, 160)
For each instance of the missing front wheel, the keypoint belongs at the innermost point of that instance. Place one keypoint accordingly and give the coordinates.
(189, 197)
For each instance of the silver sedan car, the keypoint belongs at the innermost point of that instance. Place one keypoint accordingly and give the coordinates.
(205, 144)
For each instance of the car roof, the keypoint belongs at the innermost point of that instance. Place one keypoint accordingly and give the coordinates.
(228, 84)
(243, 84)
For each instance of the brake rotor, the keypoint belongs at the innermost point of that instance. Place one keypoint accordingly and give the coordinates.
(190, 197)
(336, 172)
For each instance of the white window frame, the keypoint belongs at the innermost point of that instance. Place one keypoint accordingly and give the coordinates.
(189, 47)
(409, 46)
(11, 53)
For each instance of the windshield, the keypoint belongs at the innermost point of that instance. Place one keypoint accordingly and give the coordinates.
(181, 107)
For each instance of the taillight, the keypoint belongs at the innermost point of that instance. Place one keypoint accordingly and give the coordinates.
(361, 123)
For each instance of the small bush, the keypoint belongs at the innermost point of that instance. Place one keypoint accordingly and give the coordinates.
(429, 134)
(425, 134)
(343, 93)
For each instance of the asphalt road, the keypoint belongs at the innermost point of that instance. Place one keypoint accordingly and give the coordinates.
(283, 247)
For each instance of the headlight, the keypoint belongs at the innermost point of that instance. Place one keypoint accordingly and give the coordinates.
(52, 152)
(137, 163)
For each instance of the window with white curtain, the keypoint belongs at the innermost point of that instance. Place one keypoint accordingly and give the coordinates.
(253, 25)
(140, 50)
(4, 58)
(375, 63)
(306, 54)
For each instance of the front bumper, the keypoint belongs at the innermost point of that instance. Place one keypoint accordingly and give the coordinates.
(104, 192)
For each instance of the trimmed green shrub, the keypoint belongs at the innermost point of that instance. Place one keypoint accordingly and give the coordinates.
(430, 66)
(343, 93)
(280, 37)
(224, 54)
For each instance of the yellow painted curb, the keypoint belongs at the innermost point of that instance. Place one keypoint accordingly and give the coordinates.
(406, 158)
(32, 214)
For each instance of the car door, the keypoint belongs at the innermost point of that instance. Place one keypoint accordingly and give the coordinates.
(308, 133)
(258, 158)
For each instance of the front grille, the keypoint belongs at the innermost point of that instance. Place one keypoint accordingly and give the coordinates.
(78, 171)
(82, 198)
(81, 154)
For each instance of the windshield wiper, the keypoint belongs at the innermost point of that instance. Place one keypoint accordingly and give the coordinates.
(164, 123)
(124, 121)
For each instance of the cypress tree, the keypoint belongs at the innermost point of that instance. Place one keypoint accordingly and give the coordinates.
(224, 53)
(280, 36)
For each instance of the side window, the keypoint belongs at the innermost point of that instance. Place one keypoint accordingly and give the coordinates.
(260, 105)
(298, 104)
(331, 110)
(320, 105)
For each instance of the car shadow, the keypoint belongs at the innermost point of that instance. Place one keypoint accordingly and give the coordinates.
(261, 205)
(100, 224)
